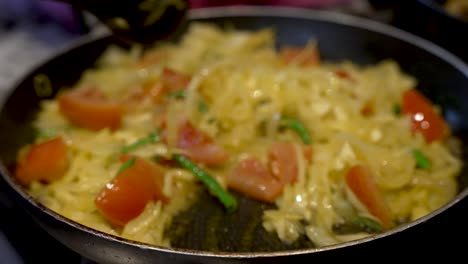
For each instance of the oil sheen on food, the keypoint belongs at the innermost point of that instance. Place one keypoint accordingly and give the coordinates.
(343, 151)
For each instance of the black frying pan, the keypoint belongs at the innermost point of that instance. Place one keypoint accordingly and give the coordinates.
(203, 234)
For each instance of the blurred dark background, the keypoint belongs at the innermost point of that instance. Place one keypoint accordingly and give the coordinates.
(32, 30)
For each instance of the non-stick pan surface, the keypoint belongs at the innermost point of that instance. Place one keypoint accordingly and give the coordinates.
(204, 234)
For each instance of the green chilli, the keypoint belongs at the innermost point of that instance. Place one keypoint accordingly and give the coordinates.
(422, 161)
(178, 94)
(297, 126)
(129, 163)
(367, 224)
(153, 138)
(226, 199)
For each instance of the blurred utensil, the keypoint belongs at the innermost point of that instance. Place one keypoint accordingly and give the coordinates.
(138, 21)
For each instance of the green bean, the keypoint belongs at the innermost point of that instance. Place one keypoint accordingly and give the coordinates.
(126, 165)
(226, 199)
(421, 161)
(153, 138)
(298, 127)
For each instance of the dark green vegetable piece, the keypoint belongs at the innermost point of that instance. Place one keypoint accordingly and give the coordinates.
(367, 224)
(298, 127)
(397, 109)
(421, 161)
(178, 94)
(153, 138)
(226, 199)
(46, 133)
(42, 85)
(202, 107)
(129, 163)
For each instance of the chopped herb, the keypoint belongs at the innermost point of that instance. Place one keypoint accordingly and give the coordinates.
(397, 109)
(298, 127)
(153, 138)
(226, 199)
(129, 163)
(422, 161)
(203, 107)
(180, 94)
(367, 224)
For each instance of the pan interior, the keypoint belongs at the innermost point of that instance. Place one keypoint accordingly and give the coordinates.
(204, 226)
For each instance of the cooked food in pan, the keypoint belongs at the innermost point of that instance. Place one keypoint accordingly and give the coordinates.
(341, 150)
(458, 8)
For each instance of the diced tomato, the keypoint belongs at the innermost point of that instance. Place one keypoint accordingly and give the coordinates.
(302, 56)
(88, 108)
(343, 74)
(155, 91)
(423, 117)
(127, 195)
(171, 81)
(367, 109)
(46, 161)
(360, 182)
(174, 81)
(200, 147)
(253, 179)
(308, 152)
(283, 162)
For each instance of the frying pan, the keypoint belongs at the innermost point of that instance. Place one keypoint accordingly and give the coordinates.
(239, 238)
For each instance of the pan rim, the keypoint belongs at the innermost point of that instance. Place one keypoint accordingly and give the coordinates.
(252, 11)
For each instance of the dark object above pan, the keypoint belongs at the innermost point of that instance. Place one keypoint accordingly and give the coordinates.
(441, 76)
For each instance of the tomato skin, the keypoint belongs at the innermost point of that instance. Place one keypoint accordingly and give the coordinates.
(200, 147)
(253, 179)
(126, 196)
(174, 81)
(343, 74)
(283, 162)
(423, 117)
(360, 182)
(170, 81)
(308, 152)
(266, 183)
(367, 109)
(290, 54)
(88, 108)
(46, 161)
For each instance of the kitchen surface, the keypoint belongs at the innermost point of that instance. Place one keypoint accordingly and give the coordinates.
(30, 33)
